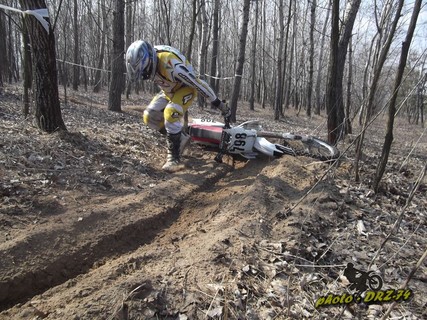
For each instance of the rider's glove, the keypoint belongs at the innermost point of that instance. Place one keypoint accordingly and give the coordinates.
(226, 113)
(222, 106)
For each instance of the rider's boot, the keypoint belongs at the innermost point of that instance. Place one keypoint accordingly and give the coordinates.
(173, 161)
(185, 141)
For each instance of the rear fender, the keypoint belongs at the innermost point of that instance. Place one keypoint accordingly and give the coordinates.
(205, 134)
(206, 122)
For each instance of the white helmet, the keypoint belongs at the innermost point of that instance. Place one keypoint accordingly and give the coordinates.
(141, 61)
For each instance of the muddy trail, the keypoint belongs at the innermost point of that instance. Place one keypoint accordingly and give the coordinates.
(91, 228)
(195, 228)
(111, 225)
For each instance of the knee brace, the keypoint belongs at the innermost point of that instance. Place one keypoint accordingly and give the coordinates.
(154, 119)
(173, 118)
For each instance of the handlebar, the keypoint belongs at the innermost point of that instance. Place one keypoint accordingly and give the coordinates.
(225, 139)
(227, 118)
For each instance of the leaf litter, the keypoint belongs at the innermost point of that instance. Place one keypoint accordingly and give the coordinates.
(90, 212)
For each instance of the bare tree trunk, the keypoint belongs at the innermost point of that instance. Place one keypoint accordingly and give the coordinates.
(85, 76)
(278, 101)
(264, 55)
(365, 84)
(11, 59)
(117, 58)
(63, 70)
(47, 107)
(311, 56)
(335, 102)
(128, 38)
(129, 28)
(421, 90)
(348, 129)
(76, 53)
(374, 83)
(299, 60)
(98, 74)
(331, 94)
(350, 17)
(288, 83)
(241, 60)
(392, 107)
(190, 47)
(319, 92)
(3, 51)
(253, 60)
(215, 46)
(27, 70)
(285, 60)
(203, 46)
(192, 31)
(421, 99)
(166, 20)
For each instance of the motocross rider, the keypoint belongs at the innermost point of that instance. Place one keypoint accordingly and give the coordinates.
(179, 85)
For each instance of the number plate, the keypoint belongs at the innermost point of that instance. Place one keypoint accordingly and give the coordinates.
(241, 140)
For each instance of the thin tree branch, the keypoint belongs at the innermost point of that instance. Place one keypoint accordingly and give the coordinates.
(396, 225)
(405, 284)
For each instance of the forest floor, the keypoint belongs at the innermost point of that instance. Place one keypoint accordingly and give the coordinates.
(91, 228)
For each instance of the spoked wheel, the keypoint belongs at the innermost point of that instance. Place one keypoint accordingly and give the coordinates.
(303, 145)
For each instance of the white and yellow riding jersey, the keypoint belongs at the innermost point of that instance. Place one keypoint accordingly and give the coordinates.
(175, 72)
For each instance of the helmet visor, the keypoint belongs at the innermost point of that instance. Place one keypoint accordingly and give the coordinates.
(132, 72)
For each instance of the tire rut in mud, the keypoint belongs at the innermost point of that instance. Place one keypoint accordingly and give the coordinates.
(40, 261)
(213, 235)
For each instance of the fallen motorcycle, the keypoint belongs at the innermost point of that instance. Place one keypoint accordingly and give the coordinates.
(248, 140)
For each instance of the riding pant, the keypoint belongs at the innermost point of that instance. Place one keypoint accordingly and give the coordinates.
(167, 109)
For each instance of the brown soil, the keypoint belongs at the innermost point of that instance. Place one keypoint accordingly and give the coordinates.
(91, 228)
